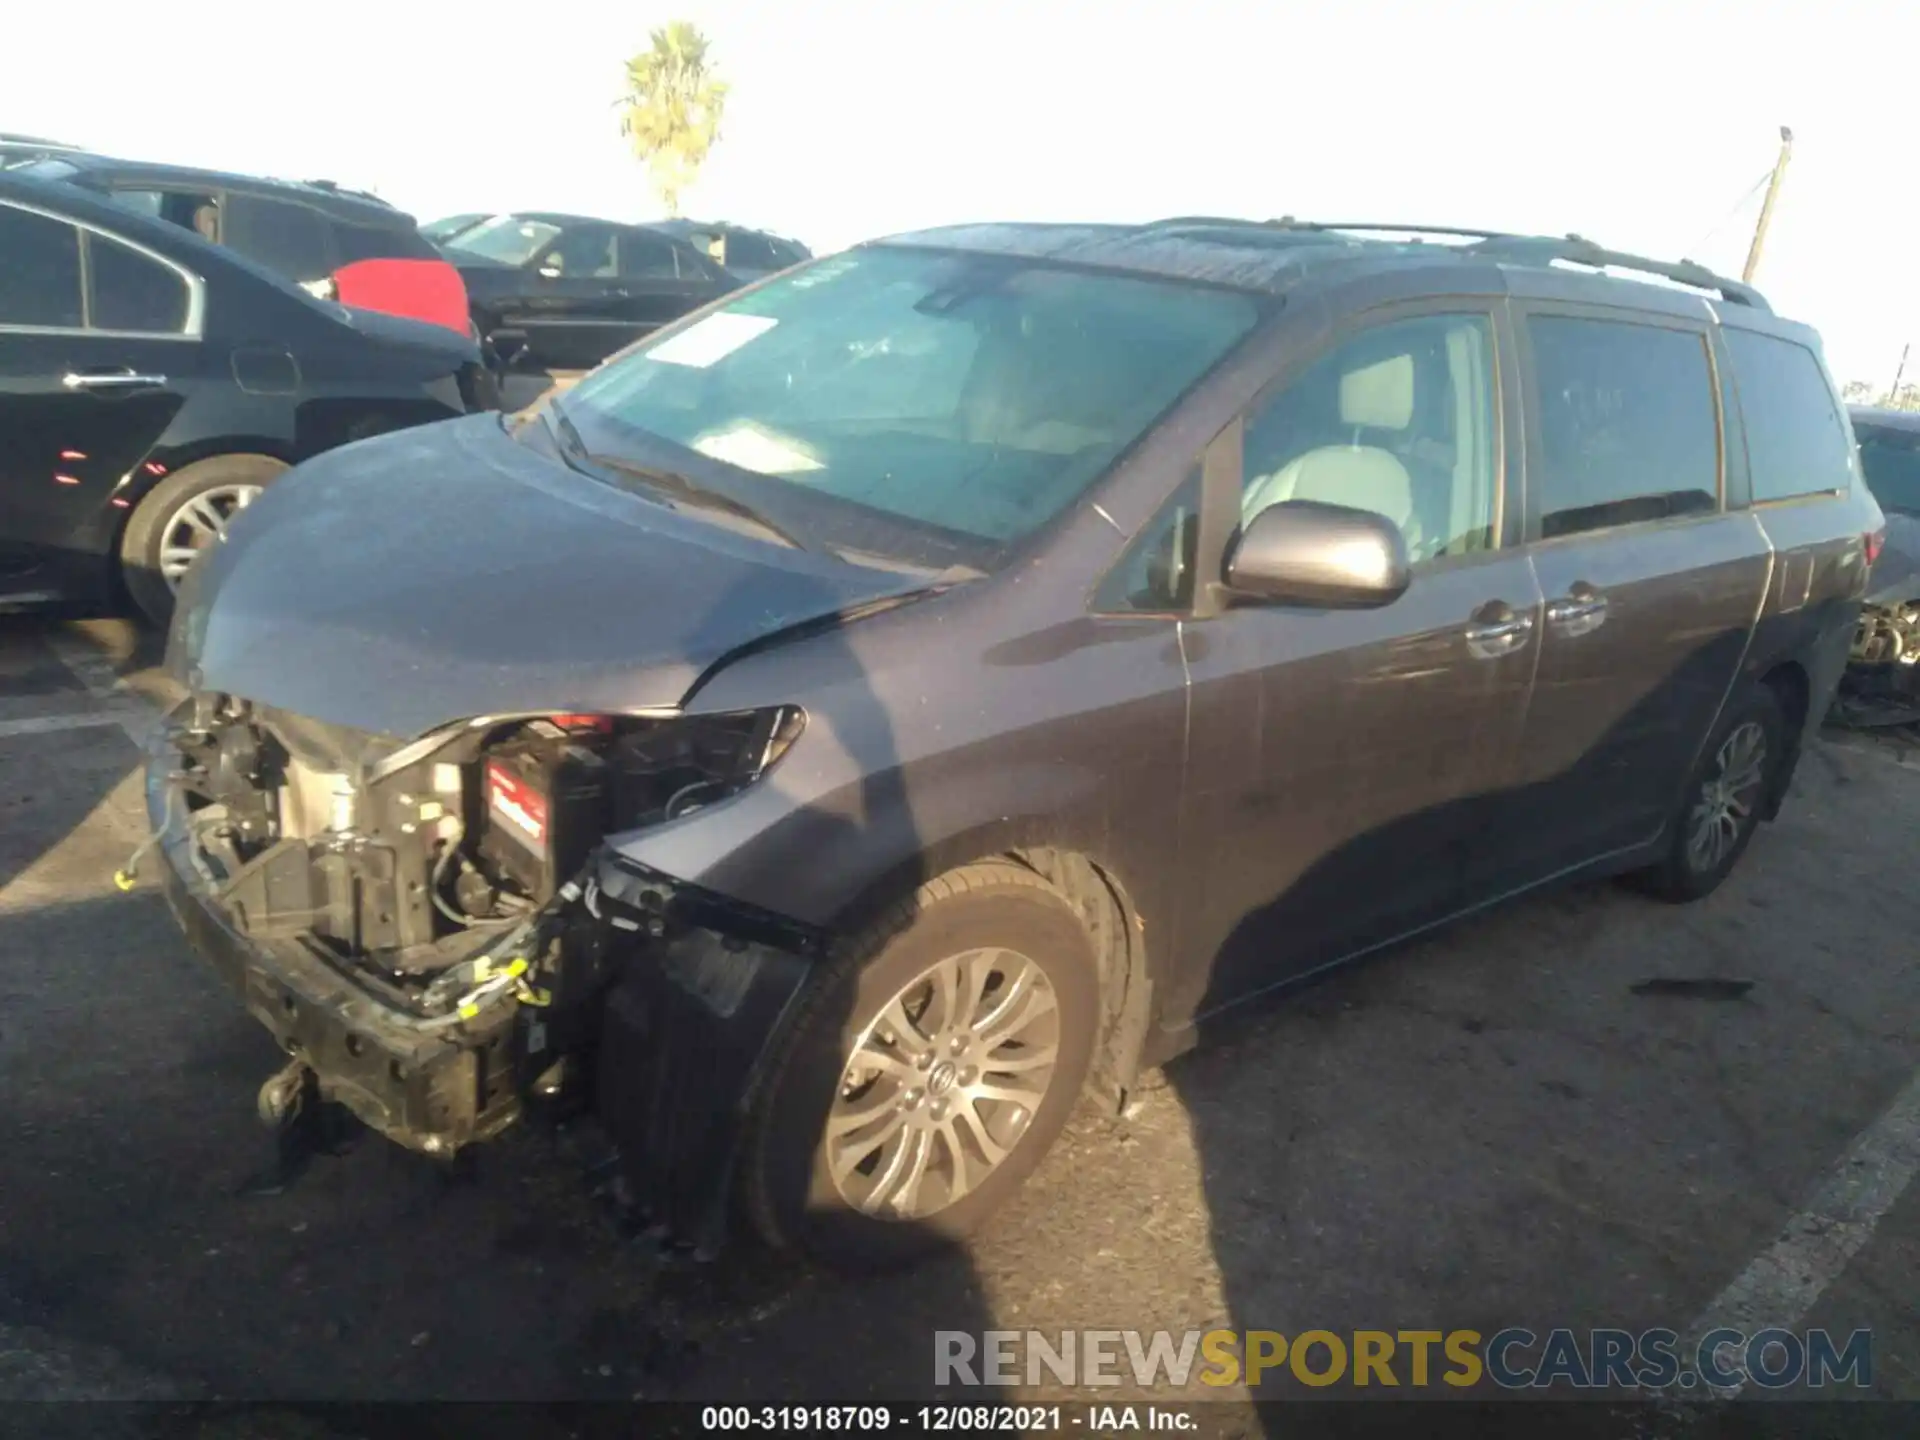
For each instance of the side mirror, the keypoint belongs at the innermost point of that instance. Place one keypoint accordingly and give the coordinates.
(1304, 552)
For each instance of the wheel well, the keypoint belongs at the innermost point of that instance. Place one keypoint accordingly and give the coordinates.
(1790, 686)
(1113, 925)
(1789, 683)
(177, 464)
(1117, 935)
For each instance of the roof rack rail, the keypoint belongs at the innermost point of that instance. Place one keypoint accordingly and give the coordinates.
(1288, 222)
(1522, 249)
(1578, 250)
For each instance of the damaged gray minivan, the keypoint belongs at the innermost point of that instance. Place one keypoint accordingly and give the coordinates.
(853, 723)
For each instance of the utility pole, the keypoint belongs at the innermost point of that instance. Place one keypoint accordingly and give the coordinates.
(1766, 206)
(1893, 395)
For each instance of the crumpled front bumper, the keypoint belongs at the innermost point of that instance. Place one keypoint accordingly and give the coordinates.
(431, 1092)
(673, 995)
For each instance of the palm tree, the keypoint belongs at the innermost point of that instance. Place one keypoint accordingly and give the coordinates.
(671, 111)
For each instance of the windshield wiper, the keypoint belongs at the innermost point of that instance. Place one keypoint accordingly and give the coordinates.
(678, 488)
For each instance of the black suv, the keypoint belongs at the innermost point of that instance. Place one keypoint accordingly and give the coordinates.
(151, 384)
(850, 724)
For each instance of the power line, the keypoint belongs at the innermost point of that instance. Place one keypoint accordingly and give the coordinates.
(1738, 206)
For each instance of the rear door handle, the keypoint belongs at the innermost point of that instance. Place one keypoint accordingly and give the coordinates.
(1496, 630)
(112, 380)
(1583, 611)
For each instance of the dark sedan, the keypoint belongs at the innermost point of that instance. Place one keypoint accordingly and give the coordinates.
(563, 292)
(336, 243)
(151, 384)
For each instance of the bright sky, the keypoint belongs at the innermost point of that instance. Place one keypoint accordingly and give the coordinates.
(1639, 124)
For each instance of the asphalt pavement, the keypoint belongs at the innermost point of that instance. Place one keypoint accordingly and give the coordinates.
(1497, 1126)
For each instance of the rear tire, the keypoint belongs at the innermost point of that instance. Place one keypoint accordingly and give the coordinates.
(184, 513)
(1725, 798)
(967, 1090)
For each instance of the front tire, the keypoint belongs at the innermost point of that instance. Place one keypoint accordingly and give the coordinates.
(181, 516)
(926, 1072)
(1725, 798)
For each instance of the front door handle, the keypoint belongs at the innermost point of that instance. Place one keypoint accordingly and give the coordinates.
(113, 380)
(1496, 630)
(1583, 611)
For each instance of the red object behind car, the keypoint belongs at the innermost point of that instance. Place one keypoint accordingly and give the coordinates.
(429, 290)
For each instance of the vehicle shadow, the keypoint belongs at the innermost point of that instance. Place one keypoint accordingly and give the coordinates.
(1522, 1100)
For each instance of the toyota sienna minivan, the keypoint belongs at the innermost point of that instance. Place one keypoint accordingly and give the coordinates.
(929, 685)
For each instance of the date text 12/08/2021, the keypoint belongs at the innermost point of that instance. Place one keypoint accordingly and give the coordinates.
(937, 1419)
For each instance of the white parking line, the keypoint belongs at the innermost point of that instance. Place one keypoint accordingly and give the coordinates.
(1784, 1281)
(125, 706)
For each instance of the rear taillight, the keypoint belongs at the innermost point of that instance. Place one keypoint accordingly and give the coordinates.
(1872, 541)
(584, 724)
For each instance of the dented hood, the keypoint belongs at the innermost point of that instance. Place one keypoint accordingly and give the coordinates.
(447, 572)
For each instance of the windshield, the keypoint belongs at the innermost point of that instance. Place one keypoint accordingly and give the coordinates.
(1890, 460)
(936, 407)
(508, 239)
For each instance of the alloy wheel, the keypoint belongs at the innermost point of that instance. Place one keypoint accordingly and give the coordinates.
(1728, 797)
(198, 523)
(942, 1084)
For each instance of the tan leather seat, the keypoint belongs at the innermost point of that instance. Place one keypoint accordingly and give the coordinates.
(1377, 396)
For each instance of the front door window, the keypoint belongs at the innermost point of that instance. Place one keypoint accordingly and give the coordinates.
(1400, 421)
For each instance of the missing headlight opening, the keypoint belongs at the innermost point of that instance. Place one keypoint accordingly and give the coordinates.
(451, 885)
(477, 832)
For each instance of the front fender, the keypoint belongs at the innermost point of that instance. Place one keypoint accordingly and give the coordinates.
(825, 860)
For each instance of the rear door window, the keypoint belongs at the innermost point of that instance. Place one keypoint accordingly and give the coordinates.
(353, 243)
(586, 252)
(647, 257)
(750, 252)
(133, 292)
(40, 279)
(290, 239)
(1796, 441)
(1629, 426)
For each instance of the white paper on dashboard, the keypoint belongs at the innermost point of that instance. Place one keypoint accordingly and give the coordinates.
(711, 339)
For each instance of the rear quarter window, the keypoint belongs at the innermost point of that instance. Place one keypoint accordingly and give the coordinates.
(353, 243)
(1797, 440)
(134, 293)
(288, 238)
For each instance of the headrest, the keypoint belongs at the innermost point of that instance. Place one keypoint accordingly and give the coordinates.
(1379, 395)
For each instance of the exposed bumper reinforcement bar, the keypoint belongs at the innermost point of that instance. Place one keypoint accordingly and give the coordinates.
(432, 1092)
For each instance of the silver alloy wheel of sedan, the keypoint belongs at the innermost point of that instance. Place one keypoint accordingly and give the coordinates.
(942, 1084)
(1728, 797)
(198, 523)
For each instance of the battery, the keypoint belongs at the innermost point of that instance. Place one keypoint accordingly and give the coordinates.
(545, 807)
